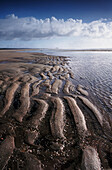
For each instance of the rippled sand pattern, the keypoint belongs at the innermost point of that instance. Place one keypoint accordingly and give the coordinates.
(46, 121)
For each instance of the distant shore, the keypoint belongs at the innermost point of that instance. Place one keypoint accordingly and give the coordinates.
(83, 50)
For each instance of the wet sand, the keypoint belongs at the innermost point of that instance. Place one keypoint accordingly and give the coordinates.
(46, 122)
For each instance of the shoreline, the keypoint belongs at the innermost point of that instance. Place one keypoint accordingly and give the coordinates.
(45, 119)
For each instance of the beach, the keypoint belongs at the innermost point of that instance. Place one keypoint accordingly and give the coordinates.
(46, 120)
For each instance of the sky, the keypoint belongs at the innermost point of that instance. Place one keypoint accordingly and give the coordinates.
(67, 24)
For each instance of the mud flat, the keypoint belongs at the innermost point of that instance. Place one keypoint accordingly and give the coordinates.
(90, 159)
(9, 97)
(45, 122)
(25, 103)
(57, 118)
(6, 150)
(78, 116)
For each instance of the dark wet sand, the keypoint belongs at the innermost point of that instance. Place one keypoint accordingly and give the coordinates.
(46, 122)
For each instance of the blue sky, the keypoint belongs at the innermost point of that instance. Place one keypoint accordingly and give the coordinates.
(87, 10)
(21, 20)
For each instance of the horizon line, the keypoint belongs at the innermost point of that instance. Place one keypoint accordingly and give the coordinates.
(91, 49)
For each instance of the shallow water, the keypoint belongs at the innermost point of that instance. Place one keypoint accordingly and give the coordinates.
(94, 71)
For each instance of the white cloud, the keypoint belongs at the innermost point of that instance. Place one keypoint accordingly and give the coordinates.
(12, 16)
(30, 28)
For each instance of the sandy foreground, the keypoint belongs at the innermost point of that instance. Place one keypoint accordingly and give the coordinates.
(46, 122)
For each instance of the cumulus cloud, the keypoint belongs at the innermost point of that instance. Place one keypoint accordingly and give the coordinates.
(30, 28)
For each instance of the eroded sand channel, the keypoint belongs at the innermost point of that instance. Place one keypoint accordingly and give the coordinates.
(46, 122)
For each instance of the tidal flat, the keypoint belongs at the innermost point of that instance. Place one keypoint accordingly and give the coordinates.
(46, 120)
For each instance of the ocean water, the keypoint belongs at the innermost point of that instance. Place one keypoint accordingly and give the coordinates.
(93, 70)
